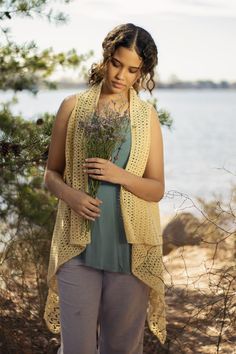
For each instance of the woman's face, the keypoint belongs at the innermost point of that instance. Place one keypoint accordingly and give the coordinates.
(122, 70)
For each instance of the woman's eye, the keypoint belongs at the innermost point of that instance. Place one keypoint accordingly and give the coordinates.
(115, 64)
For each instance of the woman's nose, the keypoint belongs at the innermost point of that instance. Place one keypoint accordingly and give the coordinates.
(121, 74)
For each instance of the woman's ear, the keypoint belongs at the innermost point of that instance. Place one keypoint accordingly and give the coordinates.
(138, 75)
(137, 79)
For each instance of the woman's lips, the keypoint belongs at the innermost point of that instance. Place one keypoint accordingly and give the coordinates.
(117, 84)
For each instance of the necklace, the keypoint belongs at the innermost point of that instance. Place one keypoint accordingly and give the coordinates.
(118, 106)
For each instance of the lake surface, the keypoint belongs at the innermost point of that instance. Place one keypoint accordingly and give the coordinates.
(199, 151)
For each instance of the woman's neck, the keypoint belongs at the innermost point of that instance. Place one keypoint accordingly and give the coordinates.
(105, 94)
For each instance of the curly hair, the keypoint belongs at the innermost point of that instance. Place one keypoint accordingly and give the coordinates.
(128, 36)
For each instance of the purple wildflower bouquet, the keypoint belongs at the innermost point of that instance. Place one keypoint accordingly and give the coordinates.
(103, 132)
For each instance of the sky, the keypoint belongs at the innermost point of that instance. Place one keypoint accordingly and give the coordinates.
(195, 38)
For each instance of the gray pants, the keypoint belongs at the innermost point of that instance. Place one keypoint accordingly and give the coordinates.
(100, 309)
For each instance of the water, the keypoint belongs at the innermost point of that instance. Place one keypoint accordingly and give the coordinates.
(199, 152)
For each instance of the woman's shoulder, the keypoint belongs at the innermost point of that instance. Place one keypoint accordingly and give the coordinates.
(69, 102)
(66, 108)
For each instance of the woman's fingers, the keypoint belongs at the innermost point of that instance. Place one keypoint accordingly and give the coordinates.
(94, 164)
(97, 202)
(92, 211)
(94, 160)
(90, 214)
(86, 216)
(85, 205)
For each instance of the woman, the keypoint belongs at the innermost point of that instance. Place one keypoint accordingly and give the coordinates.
(103, 282)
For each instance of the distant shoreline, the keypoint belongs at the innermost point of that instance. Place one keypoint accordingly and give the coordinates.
(196, 85)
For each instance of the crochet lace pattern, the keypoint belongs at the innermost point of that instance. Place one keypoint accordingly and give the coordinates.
(141, 218)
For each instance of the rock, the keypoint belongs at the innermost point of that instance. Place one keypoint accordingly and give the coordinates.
(180, 231)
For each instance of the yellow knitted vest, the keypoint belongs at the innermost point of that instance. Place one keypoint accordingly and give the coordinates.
(141, 218)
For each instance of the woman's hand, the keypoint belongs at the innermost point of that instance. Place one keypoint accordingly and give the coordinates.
(83, 204)
(103, 170)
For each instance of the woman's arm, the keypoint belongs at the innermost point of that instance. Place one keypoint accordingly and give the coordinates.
(79, 201)
(151, 186)
(53, 177)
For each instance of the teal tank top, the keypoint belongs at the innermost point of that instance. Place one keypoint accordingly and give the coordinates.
(109, 249)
